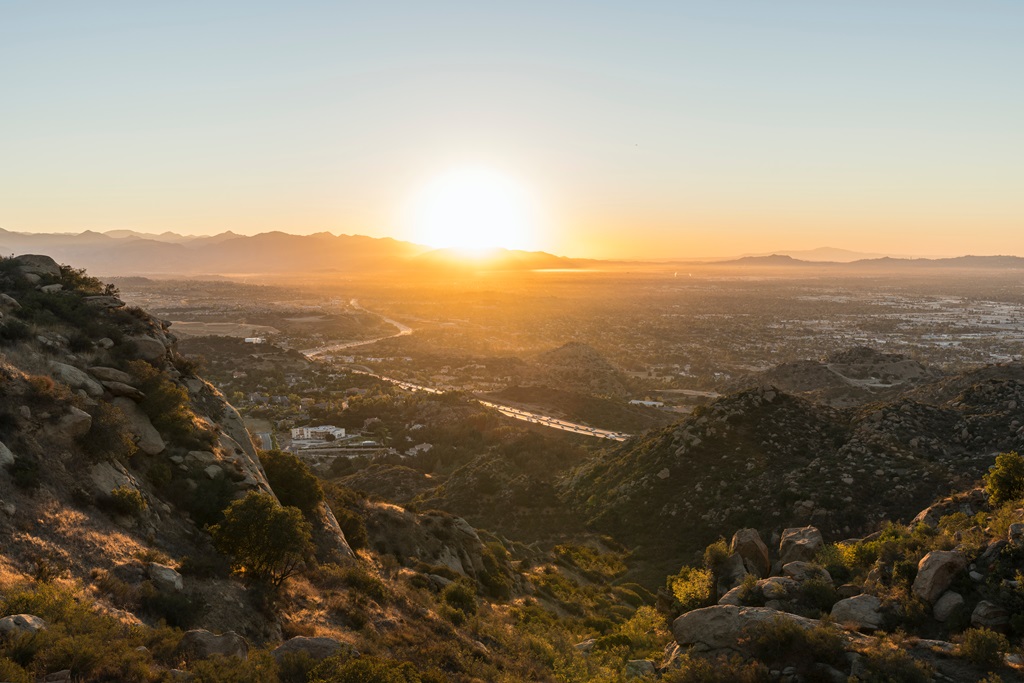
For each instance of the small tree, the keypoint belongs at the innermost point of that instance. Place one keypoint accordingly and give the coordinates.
(291, 480)
(1005, 482)
(266, 540)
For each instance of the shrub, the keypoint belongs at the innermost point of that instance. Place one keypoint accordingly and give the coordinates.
(1005, 481)
(460, 595)
(695, 669)
(894, 666)
(292, 481)
(983, 646)
(26, 472)
(364, 670)
(126, 501)
(109, 437)
(818, 593)
(353, 527)
(783, 642)
(267, 541)
(691, 587)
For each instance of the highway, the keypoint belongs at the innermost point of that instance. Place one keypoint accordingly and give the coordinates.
(515, 413)
(508, 411)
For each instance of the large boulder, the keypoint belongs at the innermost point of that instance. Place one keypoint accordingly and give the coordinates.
(201, 644)
(748, 544)
(316, 648)
(105, 374)
(946, 605)
(18, 624)
(146, 435)
(935, 572)
(148, 348)
(722, 626)
(73, 377)
(863, 612)
(731, 573)
(799, 544)
(76, 423)
(125, 390)
(8, 303)
(164, 578)
(6, 456)
(802, 571)
(990, 615)
(37, 264)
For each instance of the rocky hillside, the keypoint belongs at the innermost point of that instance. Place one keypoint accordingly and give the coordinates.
(579, 367)
(846, 378)
(766, 459)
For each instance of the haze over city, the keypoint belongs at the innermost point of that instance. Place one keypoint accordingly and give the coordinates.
(612, 131)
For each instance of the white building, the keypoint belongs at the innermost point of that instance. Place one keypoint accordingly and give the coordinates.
(320, 433)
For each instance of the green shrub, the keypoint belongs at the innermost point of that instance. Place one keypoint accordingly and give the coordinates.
(292, 481)
(783, 642)
(460, 595)
(260, 667)
(695, 669)
(124, 500)
(26, 472)
(818, 593)
(353, 526)
(268, 542)
(894, 666)
(1005, 480)
(691, 588)
(364, 670)
(109, 437)
(983, 646)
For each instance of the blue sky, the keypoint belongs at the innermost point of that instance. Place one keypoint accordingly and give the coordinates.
(695, 128)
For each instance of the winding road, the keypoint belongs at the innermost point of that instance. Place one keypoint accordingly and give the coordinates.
(508, 411)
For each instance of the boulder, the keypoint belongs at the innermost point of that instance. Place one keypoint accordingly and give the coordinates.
(778, 587)
(990, 615)
(149, 348)
(51, 289)
(799, 544)
(935, 572)
(802, 571)
(748, 544)
(125, 390)
(37, 264)
(1015, 535)
(103, 301)
(73, 377)
(6, 457)
(316, 648)
(733, 597)
(946, 605)
(164, 578)
(201, 644)
(730, 573)
(863, 612)
(8, 303)
(18, 624)
(76, 423)
(105, 374)
(146, 435)
(722, 626)
(639, 668)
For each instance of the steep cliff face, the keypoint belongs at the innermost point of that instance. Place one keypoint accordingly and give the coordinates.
(111, 448)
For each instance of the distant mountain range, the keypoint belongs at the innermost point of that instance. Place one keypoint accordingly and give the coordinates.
(126, 253)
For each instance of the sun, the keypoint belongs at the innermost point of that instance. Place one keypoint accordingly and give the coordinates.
(474, 209)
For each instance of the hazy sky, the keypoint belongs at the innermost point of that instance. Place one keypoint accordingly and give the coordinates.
(639, 128)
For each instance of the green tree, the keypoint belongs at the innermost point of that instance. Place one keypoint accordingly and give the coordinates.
(292, 481)
(267, 541)
(1005, 481)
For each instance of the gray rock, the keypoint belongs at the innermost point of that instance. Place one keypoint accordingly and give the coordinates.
(585, 646)
(8, 303)
(165, 578)
(51, 289)
(748, 543)
(863, 612)
(946, 605)
(935, 572)
(62, 676)
(76, 423)
(802, 571)
(105, 343)
(777, 587)
(105, 374)
(6, 457)
(103, 301)
(1015, 535)
(730, 573)
(799, 544)
(201, 644)
(316, 648)
(73, 377)
(722, 626)
(213, 471)
(733, 597)
(639, 668)
(17, 624)
(37, 264)
(990, 615)
(125, 390)
(146, 435)
(149, 348)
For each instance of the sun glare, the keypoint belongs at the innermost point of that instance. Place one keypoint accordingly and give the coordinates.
(474, 210)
